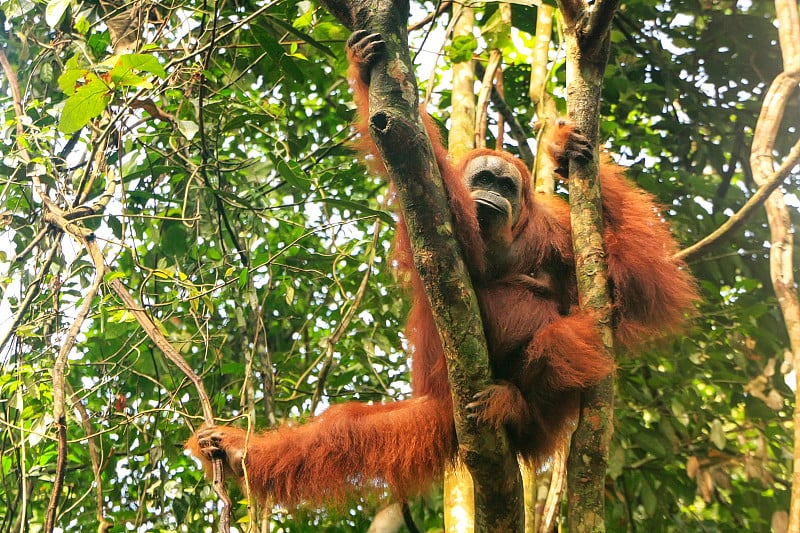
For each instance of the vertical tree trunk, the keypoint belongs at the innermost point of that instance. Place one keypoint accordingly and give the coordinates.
(406, 151)
(587, 35)
(781, 236)
(459, 500)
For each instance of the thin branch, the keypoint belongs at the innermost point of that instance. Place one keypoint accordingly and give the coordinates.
(103, 524)
(443, 6)
(204, 153)
(482, 107)
(64, 220)
(59, 369)
(408, 519)
(19, 112)
(13, 84)
(30, 294)
(344, 323)
(240, 23)
(164, 345)
(515, 127)
(733, 223)
(67, 222)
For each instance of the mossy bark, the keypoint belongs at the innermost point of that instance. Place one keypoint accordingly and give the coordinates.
(397, 131)
(587, 33)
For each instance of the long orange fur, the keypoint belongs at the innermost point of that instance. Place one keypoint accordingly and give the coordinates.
(542, 348)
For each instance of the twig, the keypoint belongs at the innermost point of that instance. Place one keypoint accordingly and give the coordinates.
(344, 323)
(516, 129)
(733, 223)
(103, 524)
(16, 96)
(163, 344)
(31, 293)
(408, 519)
(63, 220)
(482, 107)
(441, 8)
(59, 368)
(85, 237)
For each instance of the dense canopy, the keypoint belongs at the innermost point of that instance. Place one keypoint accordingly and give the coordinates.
(196, 157)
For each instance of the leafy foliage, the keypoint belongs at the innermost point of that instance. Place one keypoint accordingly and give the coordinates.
(243, 223)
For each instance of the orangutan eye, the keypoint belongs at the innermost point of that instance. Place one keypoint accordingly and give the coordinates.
(483, 179)
(507, 187)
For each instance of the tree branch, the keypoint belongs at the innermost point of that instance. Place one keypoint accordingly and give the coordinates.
(587, 56)
(736, 221)
(514, 126)
(781, 252)
(63, 221)
(572, 10)
(59, 382)
(397, 131)
(599, 20)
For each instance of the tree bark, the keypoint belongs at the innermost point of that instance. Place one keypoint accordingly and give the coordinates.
(459, 499)
(762, 162)
(587, 33)
(407, 153)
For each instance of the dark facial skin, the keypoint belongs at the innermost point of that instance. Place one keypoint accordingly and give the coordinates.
(495, 185)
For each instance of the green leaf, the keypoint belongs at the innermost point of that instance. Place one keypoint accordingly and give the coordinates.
(46, 72)
(174, 239)
(124, 70)
(126, 78)
(651, 443)
(82, 26)
(718, 434)
(68, 80)
(188, 128)
(143, 63)
(496, 32)
(527, 3)
(54, 12)
(99, 42)
(114, 274)
(293, 174)
(306, 38)
(276, 53)
(289, 294)
(236, 123)
(88, 102)
(649, 498)
(244, 276)
(462, 48)
(304, 20)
